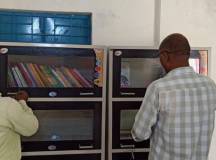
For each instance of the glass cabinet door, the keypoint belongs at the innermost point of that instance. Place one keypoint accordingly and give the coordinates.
(123, 119)
(127, 117)
(65, 126)
(53, 71)
(139, 72)
(133, 70)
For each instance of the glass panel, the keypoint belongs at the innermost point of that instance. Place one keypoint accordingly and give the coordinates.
(139, 72)
(199, 61)
(59, 125)
(127, 118)
(195, 64)
(203, 62)
(55, 68)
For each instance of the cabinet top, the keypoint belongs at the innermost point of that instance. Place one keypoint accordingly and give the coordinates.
(49, 45)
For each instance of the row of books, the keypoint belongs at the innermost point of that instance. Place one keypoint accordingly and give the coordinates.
(35, 75)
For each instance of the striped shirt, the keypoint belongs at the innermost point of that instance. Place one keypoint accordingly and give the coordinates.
(177, 114)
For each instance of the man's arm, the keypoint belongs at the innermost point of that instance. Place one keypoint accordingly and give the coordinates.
(21, 117)
(146, 116)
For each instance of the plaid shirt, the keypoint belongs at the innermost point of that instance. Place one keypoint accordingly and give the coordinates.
(177, 113)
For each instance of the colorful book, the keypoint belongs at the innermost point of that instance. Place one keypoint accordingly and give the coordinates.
(25, 74)
(30, 73)
(46, 75)
(88, 75)
(77, 83)
(16, 77)
(57, 76)
(54, 78)
(82, 79)
(69, 77)
(36, 76)
(42, 76)
(22, 80)
(66, 82)
(11, 80)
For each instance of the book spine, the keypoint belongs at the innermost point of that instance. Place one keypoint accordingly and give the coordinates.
(31, 74)
(58, 77)
(56, 81)
(16, 77)
(49, 79)
(24, 84)
(84, 81)
(11, 80)
(73, 78)
(68, 76)
(41, 76)
(37, 77)
(25, 75)
(58, 71)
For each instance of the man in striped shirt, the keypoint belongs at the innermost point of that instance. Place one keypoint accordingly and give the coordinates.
(177, 112)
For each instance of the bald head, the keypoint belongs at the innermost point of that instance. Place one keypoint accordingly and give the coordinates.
(174, 52)
(175, 43)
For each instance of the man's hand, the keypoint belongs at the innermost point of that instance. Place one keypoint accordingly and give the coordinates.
(21, 95)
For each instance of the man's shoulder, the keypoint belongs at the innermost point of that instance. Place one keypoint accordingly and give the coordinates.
(208, 80)
(155, 85)
(7, 101)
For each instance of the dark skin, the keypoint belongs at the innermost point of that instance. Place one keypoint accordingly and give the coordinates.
(21, 95)
(172, 61)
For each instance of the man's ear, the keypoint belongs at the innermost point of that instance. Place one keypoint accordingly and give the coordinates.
(166, 61)
(165, 57)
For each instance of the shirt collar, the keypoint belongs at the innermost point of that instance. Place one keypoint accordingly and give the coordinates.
(181, 71)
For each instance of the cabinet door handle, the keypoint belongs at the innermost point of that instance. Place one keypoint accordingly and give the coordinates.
(51, 147)
(86, 93)
(127, 145)
(11, 93)
(86, 147)
(127, 93)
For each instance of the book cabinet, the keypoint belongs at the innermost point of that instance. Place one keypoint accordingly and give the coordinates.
(67, 92)
(131, 70)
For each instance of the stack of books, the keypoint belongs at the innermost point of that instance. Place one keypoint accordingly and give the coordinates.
(37, 75)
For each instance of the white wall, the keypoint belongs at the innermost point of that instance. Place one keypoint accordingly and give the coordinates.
(196, 19)
(115, 22)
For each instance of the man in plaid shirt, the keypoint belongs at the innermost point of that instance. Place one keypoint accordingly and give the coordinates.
(177, 112)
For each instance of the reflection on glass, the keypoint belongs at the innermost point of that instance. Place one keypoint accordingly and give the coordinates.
(50, 71)
(200, 61)
(203, 62)
(59, 125)
(139, 72)
(127, 118)
(195, 64)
